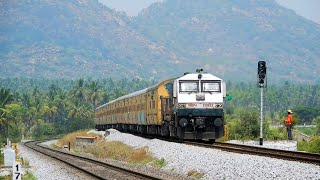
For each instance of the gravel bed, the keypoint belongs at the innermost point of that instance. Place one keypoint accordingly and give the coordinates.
(217, 164)
(46, 168)
(135, 167)
(284, 145)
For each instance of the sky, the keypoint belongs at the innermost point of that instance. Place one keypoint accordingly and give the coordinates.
(309, 9)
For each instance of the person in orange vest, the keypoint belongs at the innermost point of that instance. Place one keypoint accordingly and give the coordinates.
(289, 124)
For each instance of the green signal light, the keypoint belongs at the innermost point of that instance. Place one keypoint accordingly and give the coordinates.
(229, 97)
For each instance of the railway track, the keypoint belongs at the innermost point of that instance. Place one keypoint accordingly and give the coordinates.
(275, 153)
(94, 168)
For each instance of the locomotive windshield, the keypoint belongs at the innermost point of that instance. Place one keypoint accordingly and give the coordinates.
(210, 86)
(189, 86)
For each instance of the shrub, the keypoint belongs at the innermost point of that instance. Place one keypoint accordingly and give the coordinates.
(312, 146)
(195, 174)
(119, 151)
(72, 138)
(159, 163)
(43, 130)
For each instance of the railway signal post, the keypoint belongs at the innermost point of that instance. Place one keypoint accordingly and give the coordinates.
(262, 83)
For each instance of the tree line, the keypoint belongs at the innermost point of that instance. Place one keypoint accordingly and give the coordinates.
(44, 108)
(41, 108)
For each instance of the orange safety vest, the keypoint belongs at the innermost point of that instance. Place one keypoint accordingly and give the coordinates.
(289, 120)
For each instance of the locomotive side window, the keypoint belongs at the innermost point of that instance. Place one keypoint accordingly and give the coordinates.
(189, 86)
(210, 86)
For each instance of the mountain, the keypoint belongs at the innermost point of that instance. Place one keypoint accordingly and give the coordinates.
(74, 38)
(229, 37)
(79, 38)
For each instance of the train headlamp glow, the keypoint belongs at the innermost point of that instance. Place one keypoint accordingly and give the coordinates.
(218, 122)
(183, 122)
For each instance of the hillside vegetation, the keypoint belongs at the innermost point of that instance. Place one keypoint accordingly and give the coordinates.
(71, 39)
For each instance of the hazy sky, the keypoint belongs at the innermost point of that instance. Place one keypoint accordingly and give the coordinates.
(309, 9)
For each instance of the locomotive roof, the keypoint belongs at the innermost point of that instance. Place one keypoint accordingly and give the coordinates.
(194, 76)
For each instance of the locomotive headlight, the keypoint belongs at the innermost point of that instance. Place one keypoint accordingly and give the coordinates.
(181, 105)
(218, 122)
(219, 105)
(183, 122)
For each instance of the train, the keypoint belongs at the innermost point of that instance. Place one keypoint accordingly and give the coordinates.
(190, 107)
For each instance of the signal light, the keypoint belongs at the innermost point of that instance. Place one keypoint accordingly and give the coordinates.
(262, 69)
(262, 72)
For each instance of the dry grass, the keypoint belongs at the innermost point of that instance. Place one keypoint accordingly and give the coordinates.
(72, 138)
(195, 174)
(114, 150)
(119, 151)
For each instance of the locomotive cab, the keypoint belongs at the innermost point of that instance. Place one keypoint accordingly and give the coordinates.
(198, 101)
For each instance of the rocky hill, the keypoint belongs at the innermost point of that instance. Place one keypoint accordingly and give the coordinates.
(229, 37)
(68, 39)
(74, 38)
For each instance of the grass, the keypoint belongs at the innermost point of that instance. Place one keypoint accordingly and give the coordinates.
(119, 151)
(310, 131)
(195, 174)
(28, 176)
(312, 146)
(1, 160)
(159, 163)
(113, 150)
(72, 138)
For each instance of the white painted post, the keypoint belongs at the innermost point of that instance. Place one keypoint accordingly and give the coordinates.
(16, 171)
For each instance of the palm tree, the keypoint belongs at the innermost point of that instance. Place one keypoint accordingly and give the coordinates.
(5, 98)
(78, 90)
(94, 93)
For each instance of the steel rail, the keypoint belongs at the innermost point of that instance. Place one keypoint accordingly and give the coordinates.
(41, 149)
(262, 151)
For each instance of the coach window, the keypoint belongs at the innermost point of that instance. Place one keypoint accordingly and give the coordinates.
(210, 86)
(189, 86)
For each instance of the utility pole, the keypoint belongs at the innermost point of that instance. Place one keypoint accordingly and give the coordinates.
(262, 83)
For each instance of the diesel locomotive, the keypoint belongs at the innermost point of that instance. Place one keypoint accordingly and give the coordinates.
(188, 107)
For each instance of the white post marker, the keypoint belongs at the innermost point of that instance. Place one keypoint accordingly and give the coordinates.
(16, 171)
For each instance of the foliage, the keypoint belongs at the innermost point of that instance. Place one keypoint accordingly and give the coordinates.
(1, 160)
(119, 151)
(71, 138)
(245, 124)
(310, 131)
(195, 174)
(43, 130)
(317, 122)
(312, 146)
(307, 114)
(227, 37)
(45, 108)
(28, 176)
(159, 163)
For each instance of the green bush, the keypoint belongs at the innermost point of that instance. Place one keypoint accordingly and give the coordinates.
(311, 131)
(159, 163)
(312, 146)
(43, 130)
(276, 134)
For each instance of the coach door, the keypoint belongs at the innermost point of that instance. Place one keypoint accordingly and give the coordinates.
(166, 108)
